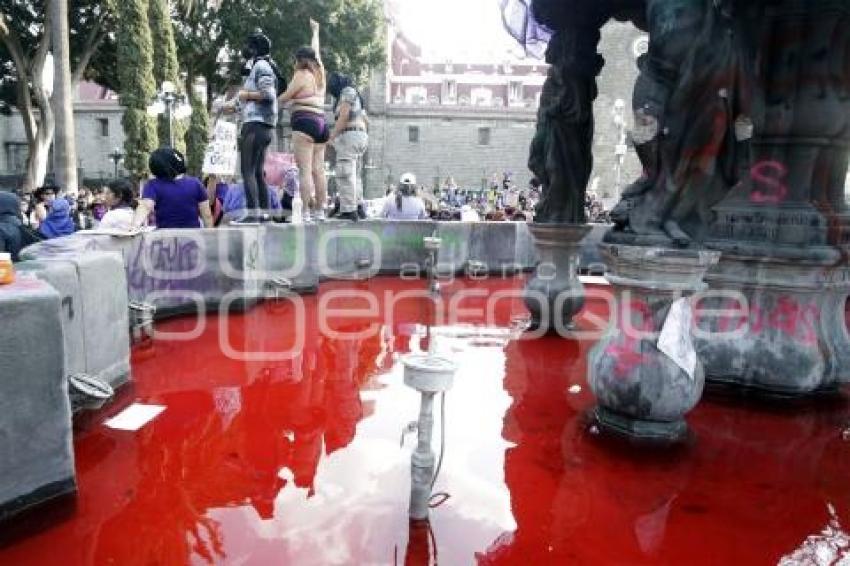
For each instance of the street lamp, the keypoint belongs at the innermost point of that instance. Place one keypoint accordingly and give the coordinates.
(171, 103)
(364, 178)
(618, 115)
(116, 156)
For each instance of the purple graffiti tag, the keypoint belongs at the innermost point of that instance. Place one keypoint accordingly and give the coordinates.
(769, 175)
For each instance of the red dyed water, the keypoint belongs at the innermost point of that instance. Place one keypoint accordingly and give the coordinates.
(297, 461)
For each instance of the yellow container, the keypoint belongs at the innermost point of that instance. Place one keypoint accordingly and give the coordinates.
(7, 270)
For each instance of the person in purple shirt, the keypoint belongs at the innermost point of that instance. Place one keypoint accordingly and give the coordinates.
(177, 200)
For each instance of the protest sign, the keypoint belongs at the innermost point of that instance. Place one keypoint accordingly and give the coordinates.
(222, 152)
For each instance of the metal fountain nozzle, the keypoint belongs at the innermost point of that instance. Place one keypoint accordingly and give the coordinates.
(141, 319)
(279, 287)
(429, 374)
(432, 244)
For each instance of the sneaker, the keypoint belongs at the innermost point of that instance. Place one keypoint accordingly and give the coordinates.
(361, 211)
(319, 215)
(352, 216)
(306, 218)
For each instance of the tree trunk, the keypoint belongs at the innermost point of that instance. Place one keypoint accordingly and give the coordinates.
(39, 152)
(64, 148)
(39, 122)
(33, 101)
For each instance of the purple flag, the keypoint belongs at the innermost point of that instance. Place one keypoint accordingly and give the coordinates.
(520, 23)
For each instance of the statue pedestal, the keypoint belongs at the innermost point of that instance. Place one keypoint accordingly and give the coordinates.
(784, 328)
(641, 391)
(555, 295)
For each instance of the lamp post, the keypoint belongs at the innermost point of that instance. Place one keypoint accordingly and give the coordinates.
(618, 115)
(171, 103)
(366, 176)
(116, 156)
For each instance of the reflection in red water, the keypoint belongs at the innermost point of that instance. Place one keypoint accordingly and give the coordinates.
(297, 461)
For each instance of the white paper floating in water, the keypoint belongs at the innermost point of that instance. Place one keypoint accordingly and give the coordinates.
(134, 417)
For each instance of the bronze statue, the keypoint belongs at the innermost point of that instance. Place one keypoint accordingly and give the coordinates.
(561, 151)
(691, 93)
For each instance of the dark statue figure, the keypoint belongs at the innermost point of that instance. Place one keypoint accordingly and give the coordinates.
(689, 97)
(561, 155)
(561, 151)
(740, 105)
(740, 124)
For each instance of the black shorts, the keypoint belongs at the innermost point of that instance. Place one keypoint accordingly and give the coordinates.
(311, 124)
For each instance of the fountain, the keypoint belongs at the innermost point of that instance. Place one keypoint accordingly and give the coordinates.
(429, 374)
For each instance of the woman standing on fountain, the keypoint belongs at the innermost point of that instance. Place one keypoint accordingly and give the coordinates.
(259, 117)
(350, 140)
(306, 93)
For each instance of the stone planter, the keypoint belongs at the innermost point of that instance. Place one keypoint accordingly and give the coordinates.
(640, 390)
(555, 295)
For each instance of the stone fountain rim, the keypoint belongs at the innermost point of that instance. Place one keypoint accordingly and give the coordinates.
(622, 253)
(551, 234)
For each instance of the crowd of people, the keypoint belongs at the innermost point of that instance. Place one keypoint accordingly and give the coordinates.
(171, 198)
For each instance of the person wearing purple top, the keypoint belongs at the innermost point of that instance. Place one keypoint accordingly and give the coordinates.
(217, 192)
(177, 201)
(235, 203)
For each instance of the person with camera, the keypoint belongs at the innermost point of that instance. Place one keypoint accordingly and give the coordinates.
(43, 198)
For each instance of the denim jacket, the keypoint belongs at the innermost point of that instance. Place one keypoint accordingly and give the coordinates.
(262, 79)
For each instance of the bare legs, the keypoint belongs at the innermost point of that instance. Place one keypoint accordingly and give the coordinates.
(310, 159)
(320, 182)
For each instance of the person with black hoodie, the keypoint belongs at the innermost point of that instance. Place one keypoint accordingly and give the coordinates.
(11, 225)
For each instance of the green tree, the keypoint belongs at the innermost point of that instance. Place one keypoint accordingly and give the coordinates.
(197, 136)
(25, 38)
(167, 68)
(210, 40)
(135, 77)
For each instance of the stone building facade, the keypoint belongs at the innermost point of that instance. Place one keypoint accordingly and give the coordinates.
(468, 120)
(472, 121)
(97, 118)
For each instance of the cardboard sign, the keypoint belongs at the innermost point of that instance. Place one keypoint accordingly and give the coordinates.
(222, 153)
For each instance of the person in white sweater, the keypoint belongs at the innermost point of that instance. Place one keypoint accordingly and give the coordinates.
(405, 204)
(120, 200)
